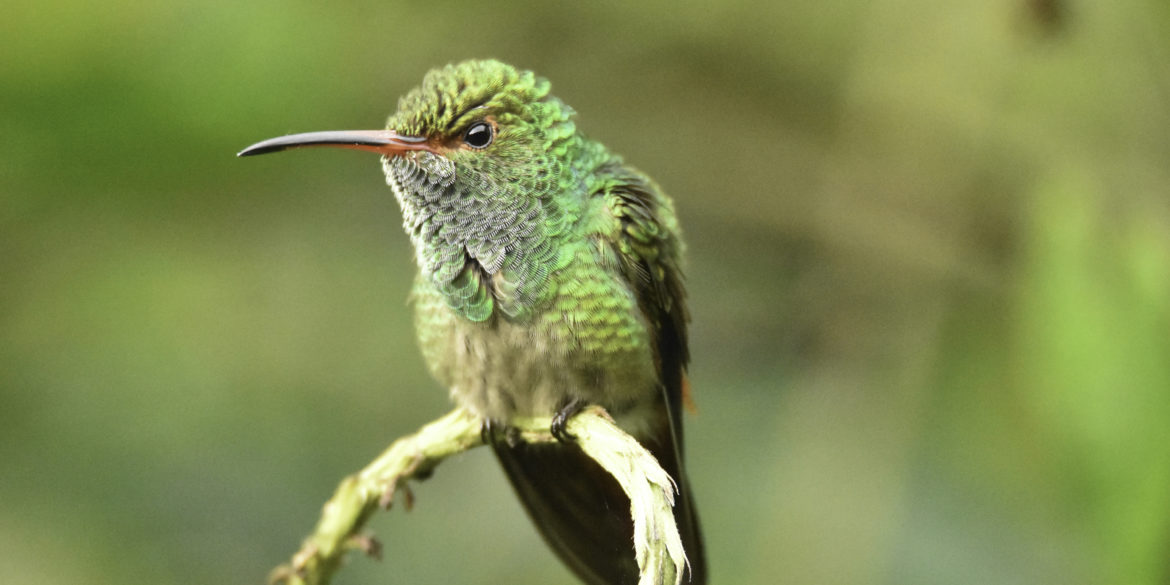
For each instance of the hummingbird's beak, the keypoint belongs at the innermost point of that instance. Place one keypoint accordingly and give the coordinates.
(386, 142)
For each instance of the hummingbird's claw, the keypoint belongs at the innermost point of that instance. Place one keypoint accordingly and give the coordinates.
(561, 419)
(489, 431)
(494, 433)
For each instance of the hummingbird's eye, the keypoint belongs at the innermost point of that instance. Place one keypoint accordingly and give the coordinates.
(479, 135)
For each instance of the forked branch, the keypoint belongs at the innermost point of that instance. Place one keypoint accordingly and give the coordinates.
(658, 547)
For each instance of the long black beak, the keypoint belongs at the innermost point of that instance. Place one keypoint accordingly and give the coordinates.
(386, 142)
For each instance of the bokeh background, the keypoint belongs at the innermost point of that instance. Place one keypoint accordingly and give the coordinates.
(929, 268)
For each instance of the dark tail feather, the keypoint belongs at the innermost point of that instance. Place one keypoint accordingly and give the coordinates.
(583, 514)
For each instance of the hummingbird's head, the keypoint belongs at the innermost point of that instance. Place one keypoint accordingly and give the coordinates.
(483, 109)
(487, 167)
(488, 133)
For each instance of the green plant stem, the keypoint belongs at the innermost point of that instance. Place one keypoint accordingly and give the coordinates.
(658, 547)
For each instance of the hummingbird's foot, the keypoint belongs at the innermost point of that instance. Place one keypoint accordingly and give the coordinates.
(494, 432)
(489, 432)
(560, 420)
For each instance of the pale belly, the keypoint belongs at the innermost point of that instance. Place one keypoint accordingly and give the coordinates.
(587, 345)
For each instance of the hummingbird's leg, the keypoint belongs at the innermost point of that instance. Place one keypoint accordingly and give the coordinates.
(488, 431)
(494, 432)
(568, 409)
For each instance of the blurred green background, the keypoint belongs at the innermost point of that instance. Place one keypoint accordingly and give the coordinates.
(929, 272)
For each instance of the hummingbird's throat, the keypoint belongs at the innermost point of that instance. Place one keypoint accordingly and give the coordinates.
(482, 245)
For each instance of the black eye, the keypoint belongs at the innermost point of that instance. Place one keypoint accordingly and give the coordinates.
(479, 135)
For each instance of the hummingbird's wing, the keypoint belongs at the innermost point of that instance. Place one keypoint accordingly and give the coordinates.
(650, 250)
(578, 507)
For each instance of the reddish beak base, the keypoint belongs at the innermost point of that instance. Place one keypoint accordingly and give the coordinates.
(385, 142)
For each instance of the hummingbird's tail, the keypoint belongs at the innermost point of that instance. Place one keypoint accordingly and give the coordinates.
(584, 515)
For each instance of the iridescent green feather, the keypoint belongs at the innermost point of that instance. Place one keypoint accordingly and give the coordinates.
(548, 272)
(508, 213)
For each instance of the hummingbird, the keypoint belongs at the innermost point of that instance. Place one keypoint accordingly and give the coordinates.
(549, 279)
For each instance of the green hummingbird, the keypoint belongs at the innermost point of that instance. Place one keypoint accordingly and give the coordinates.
(549, 279)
